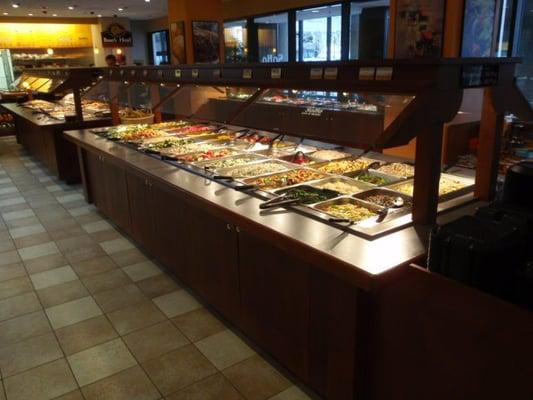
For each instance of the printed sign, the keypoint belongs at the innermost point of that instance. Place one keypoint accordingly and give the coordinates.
(117, 36)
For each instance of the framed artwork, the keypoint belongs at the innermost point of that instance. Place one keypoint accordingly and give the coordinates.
(419, 28)
(177, 43)
(206, 41)
(478, 28)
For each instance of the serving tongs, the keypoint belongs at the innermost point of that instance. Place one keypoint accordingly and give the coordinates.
(399, 202)
(369, 167)
(281, 201)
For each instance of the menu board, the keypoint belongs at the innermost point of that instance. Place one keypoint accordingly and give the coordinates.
(33, 36)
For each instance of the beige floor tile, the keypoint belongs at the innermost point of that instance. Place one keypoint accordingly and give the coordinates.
(7, 245)
(198, 324)
(86, 334)
(75, 395)
(60, 224)
(15, 287)
(74, 243)
(178, 369)
(84, 253)
(88, 218)
(256, 379)
(158, 285)
(11, 216)
(94, 266)
(142, 270)
(19, 305)
(104, 236)
(224, 349)
(32, 240)
(45, 263)
(53, 277)
(68, 198)
(24, 327)
(97, 226)
(136, 317)
(2, 393)
(116, 245)
(155, 341)
(40, 250)
(73, 312)
(128, 257)
(66, 232)
(35, 384)
(28, 354)
(131, 384)
(107, 280)
(215, 387)
(76, 212)
(111, 300)
(17, 233)
(292, 393)
(8, 190)
(176, 303)
(59, 294)
(12, 201)
(100, 361)
(18, 223)
(9, 257)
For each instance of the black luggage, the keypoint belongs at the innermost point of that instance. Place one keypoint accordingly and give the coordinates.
(478, 252)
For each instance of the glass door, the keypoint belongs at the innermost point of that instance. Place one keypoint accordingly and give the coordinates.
(160, 45)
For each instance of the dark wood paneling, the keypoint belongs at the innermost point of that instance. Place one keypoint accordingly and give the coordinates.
(116, 194)
(275, 290)
(141, 210)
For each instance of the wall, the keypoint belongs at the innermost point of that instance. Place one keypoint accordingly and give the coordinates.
(140, 30)
(244, 8)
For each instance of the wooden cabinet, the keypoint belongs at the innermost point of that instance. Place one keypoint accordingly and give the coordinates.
(108, 190)
(275, 301)
(211, 259)
(141, 210)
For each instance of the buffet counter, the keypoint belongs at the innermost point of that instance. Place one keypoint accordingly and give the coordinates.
(301, 289)
(43, 137)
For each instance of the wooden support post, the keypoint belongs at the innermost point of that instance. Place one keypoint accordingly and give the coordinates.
(77, 105)
(427, 175)
(155, 99)
(488, 158)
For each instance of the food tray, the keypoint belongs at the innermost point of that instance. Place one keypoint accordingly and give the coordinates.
(363, 196)
(307, 175)
(467, 188)
(389, 179)
(321, 159)
(402, 176)
(212, 164)
(376, 210)
(330, 194)
(357, 186)
(364, 163)
(234, 171)
(208, 155)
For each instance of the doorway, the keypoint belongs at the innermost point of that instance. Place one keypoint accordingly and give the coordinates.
(159, 45)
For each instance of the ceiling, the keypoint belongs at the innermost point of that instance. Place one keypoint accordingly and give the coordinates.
(133, 9)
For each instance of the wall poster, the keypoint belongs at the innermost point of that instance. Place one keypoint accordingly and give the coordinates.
(206, 41)
(419, 28)
(478, 28)
(177, 43)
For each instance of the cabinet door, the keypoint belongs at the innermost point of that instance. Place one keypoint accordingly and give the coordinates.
(274, 304)
(170, 230)
(95, 180)
(211, 260)
(141, 208)
(116, 194)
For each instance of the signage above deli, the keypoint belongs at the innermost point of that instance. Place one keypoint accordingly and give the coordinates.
(117, 36)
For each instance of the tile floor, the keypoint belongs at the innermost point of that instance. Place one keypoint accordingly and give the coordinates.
(84, 314)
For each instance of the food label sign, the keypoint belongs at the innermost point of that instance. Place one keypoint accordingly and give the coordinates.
(117, 36)
(313, 111)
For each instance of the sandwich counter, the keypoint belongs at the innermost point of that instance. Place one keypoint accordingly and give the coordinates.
(55, 103)
(268, 190)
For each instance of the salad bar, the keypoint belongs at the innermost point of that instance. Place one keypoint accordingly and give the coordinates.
(334, 186)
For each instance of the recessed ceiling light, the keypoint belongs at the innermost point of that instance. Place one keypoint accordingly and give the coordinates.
(5, 13)
(121, 9)
(71, 7)
(99, 15)
(15, 5)
(54, 15)
(30, 15)
(147, 1)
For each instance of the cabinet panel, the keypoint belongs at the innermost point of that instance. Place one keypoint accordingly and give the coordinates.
(275, 301)
(95, 181)
(212, 260)
(116, 195)
(141, 208)
(170, 231)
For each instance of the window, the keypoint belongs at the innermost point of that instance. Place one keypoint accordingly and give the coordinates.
(369, 22)
(235, 42)
(318, 33)
(504, 35)
(524, 71)
(273, 38)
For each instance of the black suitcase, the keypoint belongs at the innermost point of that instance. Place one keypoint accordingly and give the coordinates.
(478, 252)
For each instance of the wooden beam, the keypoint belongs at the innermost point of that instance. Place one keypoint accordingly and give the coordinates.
(490, 136)
(427, 175)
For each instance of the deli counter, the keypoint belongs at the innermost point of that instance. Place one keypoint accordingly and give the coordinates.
(270, 192)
